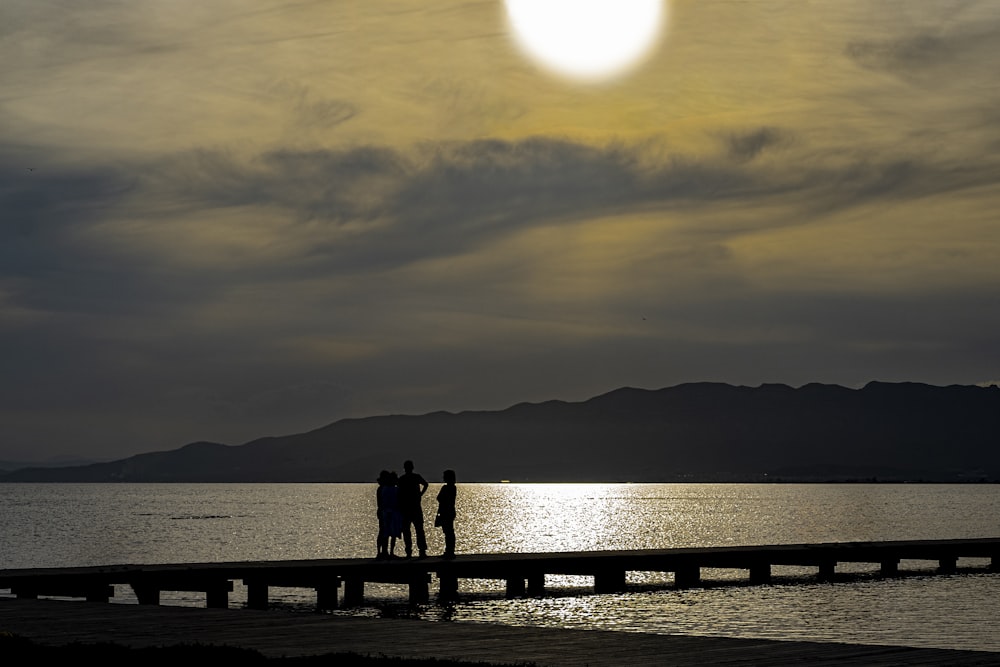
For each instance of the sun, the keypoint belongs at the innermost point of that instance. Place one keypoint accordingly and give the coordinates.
(586, 40)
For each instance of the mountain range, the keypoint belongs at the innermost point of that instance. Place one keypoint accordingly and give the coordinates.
(696, 432)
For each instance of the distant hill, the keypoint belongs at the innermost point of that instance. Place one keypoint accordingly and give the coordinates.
(7, 465)
(689, 432)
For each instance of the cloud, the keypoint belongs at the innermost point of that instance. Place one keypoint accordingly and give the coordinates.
(931, 52)
(311, 109)
(219, 216)
(47, 207)
(748, 145)
(908, 54)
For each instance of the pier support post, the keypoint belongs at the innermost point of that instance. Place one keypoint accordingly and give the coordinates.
(100, 594)
(447, 586)
(146, 594)
(760, 573)
(418, 590)
(687, 576)
(515, 587)
(256, 595)
(354, 591)
(890, 568)
(826, 571)
(326, 595)
(609, 581)
(995, 563)
(947, 565)
(217, 595)
(536, 584)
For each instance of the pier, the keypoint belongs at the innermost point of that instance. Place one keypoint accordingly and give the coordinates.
(341, 582)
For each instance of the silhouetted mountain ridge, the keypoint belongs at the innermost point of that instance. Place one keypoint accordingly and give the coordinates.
(688, 432)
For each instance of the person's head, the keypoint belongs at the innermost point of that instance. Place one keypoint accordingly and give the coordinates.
(383, 477)
(449, 476)
(408, 466)
(393, 478)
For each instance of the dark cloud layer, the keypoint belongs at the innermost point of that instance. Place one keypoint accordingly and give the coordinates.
(407, 207)
(403, 207)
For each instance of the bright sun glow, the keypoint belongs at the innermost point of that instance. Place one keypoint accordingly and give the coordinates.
(586, 40)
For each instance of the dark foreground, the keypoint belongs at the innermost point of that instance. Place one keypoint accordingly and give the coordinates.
(14, 647)
(174, 633)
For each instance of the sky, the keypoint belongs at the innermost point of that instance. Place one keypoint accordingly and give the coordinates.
(232, 219)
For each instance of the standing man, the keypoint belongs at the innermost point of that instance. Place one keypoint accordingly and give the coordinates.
(412, 486)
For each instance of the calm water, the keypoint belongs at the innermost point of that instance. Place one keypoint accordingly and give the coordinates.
(51, 525)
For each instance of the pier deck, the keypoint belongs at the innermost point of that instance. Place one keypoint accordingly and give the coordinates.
(342, 581)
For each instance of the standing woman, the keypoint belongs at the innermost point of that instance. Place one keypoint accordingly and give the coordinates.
(394, 523)
(390, 523)
(382, 514)
(446, 513)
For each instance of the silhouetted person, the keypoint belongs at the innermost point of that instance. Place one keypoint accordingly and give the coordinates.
(446, 513)
(412, 486)
(390, 523)
(382, 541)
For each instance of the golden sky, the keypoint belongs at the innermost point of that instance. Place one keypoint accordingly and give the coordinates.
(229, 219)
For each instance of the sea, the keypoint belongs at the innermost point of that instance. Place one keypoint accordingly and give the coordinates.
(59, 525)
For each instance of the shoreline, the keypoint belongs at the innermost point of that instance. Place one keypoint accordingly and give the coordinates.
(275, 634)
(111, 653)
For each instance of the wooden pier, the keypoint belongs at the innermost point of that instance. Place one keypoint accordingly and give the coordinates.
(342, 581)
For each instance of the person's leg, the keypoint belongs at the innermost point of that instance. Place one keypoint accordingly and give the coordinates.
(407, 537)
(448, 528)
(418, 528)
(382, 541)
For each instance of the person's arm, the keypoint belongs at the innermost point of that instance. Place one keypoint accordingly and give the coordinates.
(423, 485)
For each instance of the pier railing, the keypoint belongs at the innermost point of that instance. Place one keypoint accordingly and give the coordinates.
(524, 573)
